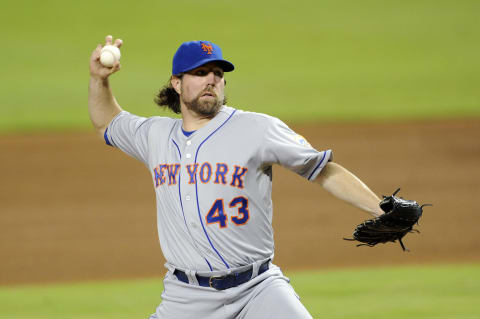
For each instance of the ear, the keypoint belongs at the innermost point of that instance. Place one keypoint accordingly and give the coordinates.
(176, 84)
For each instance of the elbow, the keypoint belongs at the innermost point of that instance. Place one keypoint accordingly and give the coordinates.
(100, 124)
(101, 132)
(99, 129)
(101, 119)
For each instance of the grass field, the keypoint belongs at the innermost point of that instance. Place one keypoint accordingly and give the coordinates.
(414, 292)
(302, 61)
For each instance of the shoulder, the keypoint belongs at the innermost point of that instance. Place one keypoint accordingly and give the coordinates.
(250, 117)
(136, 124)
(150, 121)
(162, 120)
(162, 126)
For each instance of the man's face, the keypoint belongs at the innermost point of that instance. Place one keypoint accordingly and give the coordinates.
(202, 89)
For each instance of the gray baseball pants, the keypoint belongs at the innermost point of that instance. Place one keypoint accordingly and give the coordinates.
(268, 295)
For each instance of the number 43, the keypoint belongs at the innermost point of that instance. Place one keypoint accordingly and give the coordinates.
(216, 214)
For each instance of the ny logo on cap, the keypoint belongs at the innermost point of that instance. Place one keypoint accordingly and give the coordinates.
(207, 48)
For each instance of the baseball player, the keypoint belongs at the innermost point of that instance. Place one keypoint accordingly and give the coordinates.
(212, 175)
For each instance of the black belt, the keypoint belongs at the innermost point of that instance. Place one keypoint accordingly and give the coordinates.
(223, 282)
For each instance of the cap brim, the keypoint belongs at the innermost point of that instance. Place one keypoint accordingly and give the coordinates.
(224, 64)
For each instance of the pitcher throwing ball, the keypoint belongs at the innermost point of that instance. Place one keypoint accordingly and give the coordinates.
(212, 175)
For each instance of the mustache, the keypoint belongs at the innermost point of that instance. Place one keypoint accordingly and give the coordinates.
(208, 90)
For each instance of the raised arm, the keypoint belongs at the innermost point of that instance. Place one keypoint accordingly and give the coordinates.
(344, 185)
(102, 105)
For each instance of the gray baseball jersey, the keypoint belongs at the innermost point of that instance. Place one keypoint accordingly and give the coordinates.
(213, 188)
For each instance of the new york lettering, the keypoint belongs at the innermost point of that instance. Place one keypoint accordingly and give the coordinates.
(220, 173)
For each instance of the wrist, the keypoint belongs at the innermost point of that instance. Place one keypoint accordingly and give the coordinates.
(99, 80)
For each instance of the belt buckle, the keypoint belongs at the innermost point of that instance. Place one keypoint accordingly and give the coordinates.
(215, 277)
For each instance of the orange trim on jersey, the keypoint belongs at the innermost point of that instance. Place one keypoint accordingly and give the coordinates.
(156, 175)
(235, 219)
(192, 174)
(217, 214)
(172, 171)
(162, 174)
(219, 172)
(159, 175)
(238, 177)
(201, 173)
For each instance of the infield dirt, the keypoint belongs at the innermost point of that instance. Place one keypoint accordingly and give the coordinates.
(75, 209)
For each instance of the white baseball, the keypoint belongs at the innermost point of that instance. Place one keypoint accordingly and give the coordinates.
(109, 55)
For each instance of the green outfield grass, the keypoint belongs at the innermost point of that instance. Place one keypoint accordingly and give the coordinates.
(436, 292)
(301, 60)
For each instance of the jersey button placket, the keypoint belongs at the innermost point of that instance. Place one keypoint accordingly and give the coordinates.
(188, 155)
(190, 204)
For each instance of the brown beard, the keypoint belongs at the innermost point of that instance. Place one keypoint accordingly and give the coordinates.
(206, 108)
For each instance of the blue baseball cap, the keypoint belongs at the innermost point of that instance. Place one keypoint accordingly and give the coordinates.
(192, 54)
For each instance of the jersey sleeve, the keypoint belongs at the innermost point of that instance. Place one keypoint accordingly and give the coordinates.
(129, 133)
(285, 147)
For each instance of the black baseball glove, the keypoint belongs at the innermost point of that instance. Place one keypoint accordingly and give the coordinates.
(399, 218)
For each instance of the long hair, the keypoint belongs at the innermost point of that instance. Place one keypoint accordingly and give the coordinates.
(167, 97)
